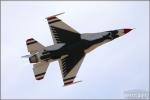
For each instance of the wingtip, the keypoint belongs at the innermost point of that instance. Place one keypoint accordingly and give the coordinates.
(72, 83)
(29, 39)
(40, 78)
(54, 15)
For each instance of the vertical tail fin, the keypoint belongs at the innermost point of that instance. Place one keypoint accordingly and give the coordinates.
(33, 46)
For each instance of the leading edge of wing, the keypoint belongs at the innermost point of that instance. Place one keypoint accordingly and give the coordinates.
(62, 32)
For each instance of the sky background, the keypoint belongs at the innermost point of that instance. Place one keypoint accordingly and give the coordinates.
(106, 72)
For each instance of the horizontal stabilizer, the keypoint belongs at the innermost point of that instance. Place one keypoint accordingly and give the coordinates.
(33, 46)
(40, 69)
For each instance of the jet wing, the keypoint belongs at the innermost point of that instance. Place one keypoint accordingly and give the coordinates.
(40, 69)
(69, 65)
(61, 32)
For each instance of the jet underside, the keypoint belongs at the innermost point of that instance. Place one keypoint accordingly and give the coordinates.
(78, 47)
(70, 48)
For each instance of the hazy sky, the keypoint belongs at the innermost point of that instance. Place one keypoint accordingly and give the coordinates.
(106, 72)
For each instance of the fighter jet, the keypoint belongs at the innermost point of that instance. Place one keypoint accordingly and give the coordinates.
(70, 48)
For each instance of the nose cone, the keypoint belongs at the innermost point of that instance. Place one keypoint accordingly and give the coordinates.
(126, 30)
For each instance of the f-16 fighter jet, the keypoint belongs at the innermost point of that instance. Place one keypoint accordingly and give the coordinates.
(70, 48)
